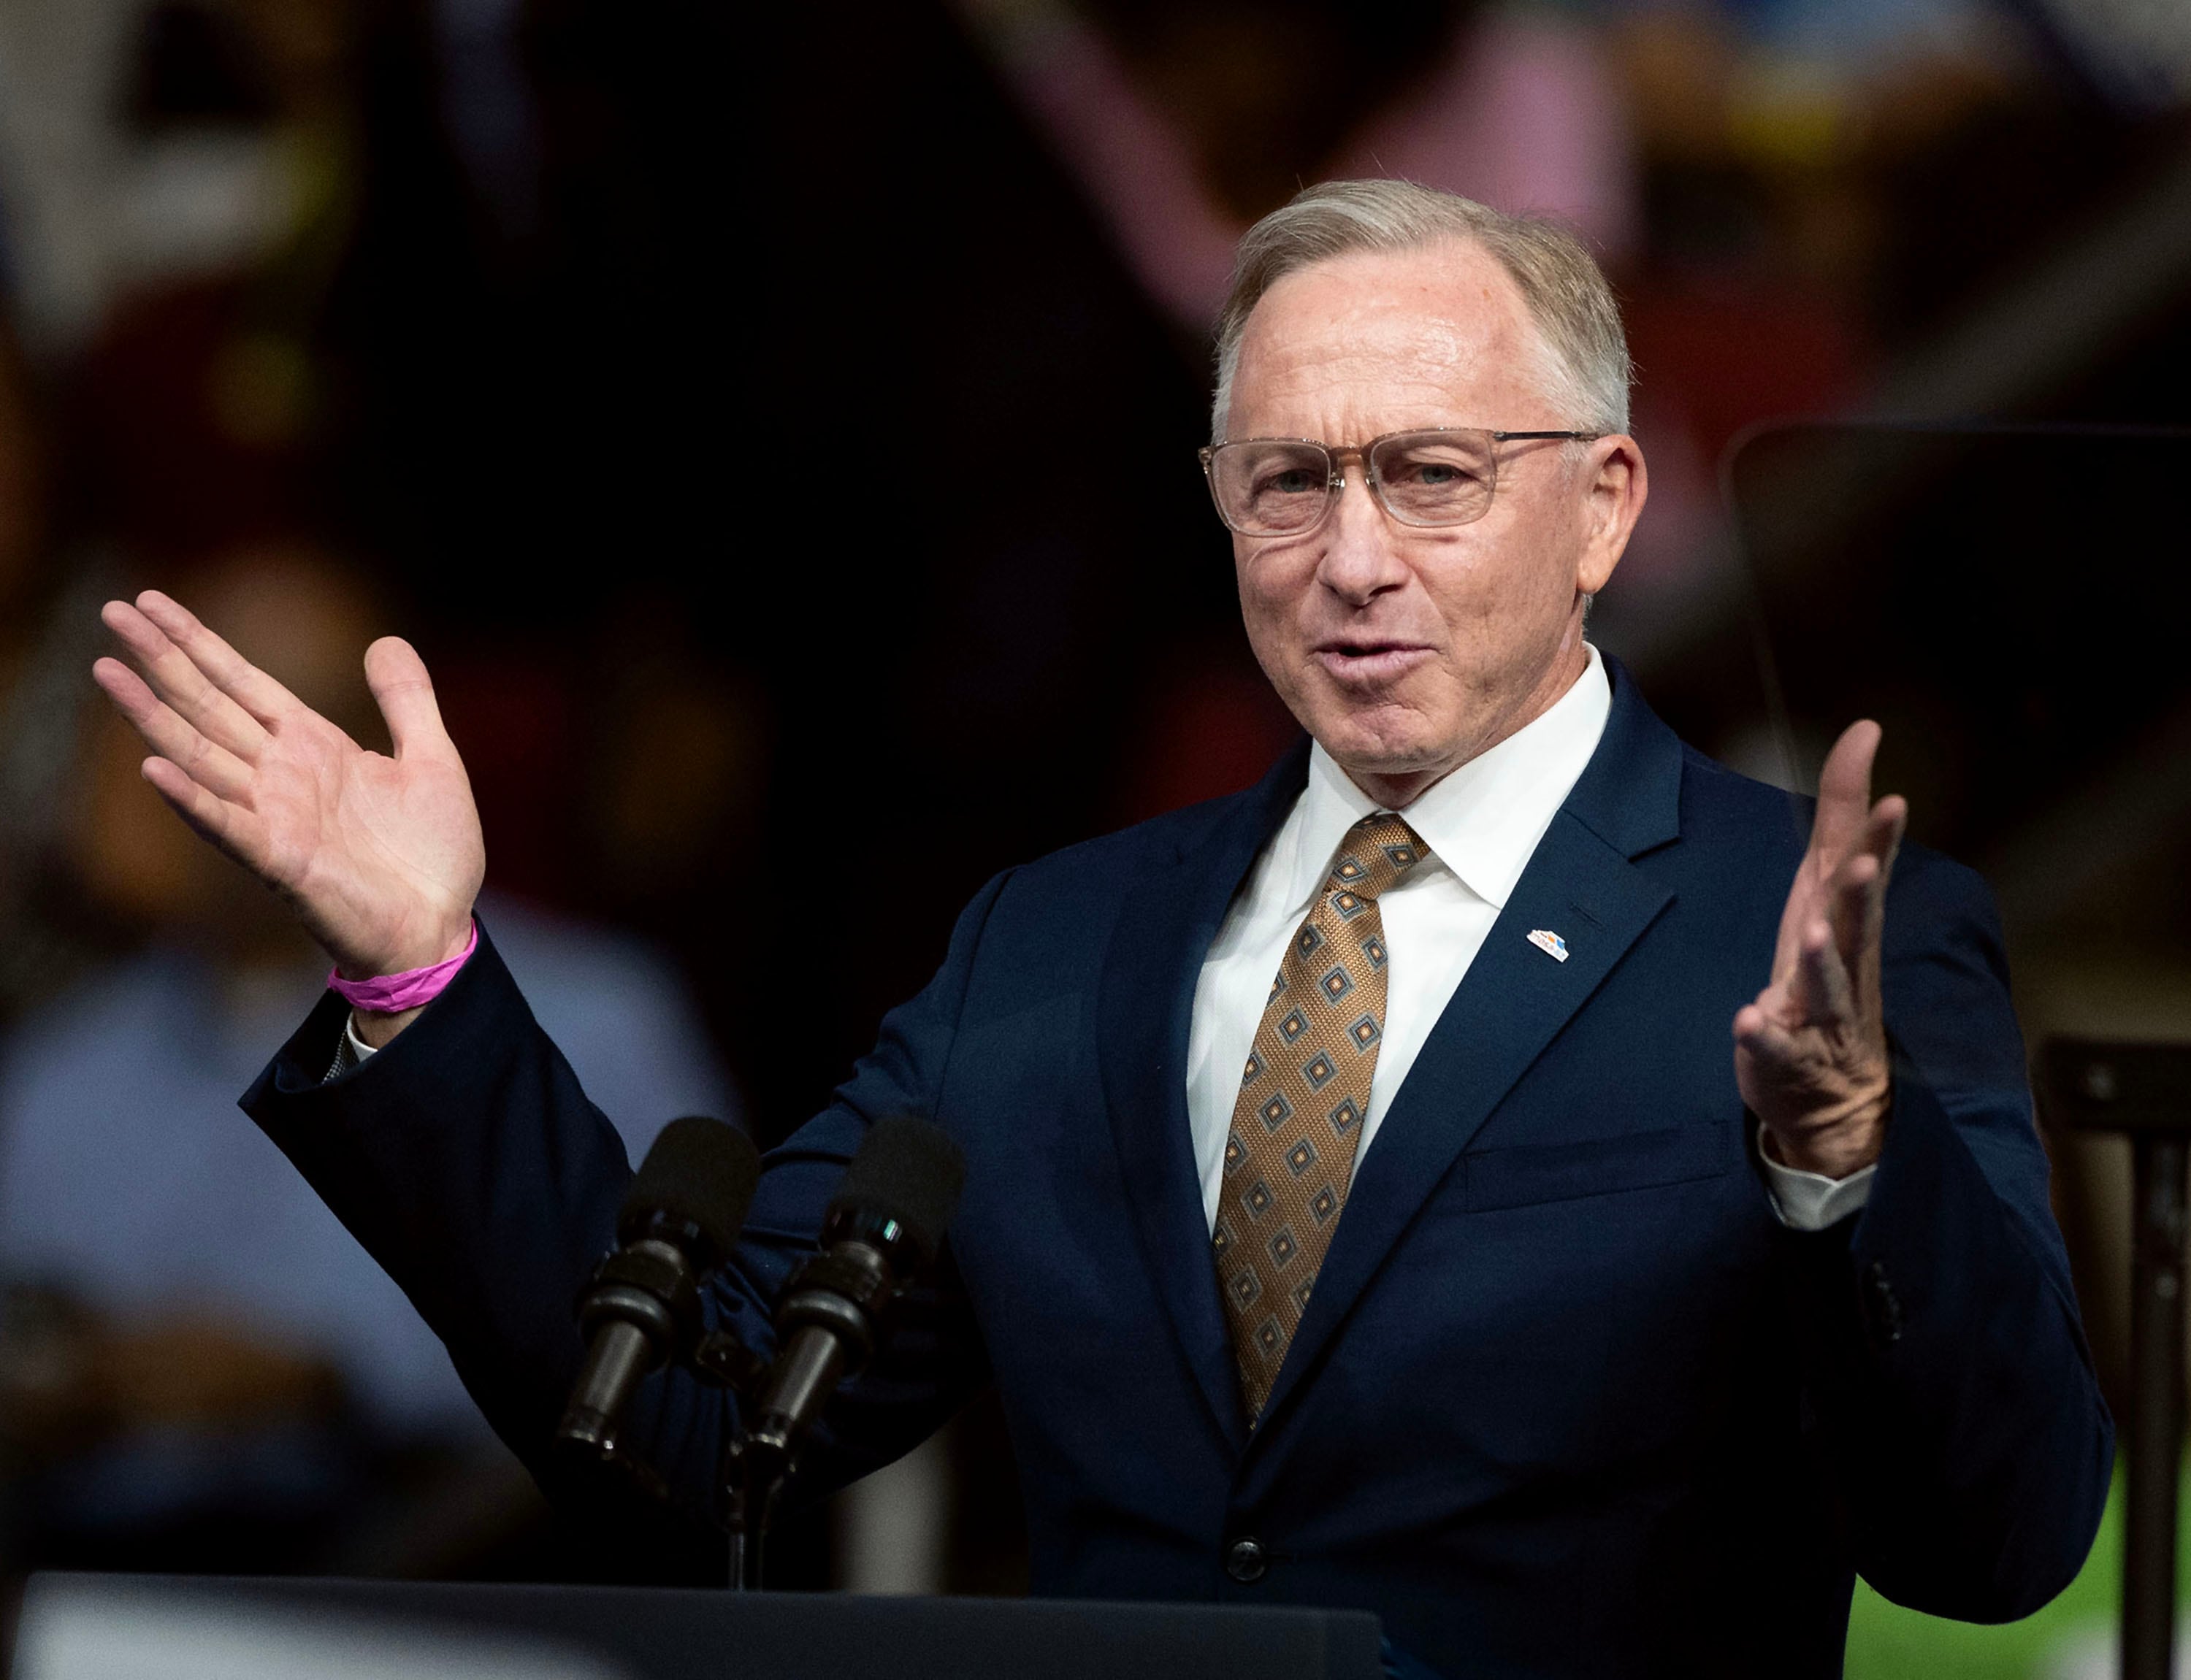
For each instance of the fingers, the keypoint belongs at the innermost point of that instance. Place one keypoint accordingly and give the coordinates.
(1822, 989)
(253, 689)
(405, 694)
(1838, 825)
(1756, 1034)
(212, 766)
(1857, 898)
(127, 689)
(1889, 822)
(1851, 899)
(1845, 781)
(177, 679)
(1817, 991)
(229, 827)
(1848, 825)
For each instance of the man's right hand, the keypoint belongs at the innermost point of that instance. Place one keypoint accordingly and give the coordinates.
(381, 857)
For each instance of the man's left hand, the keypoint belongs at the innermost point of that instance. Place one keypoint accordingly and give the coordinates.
(1810, 1054)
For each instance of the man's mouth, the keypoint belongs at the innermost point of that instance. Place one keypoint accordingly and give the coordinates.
(1369, 663)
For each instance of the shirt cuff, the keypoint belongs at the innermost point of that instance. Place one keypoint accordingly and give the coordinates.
(351, 1054)
(1807, 1201)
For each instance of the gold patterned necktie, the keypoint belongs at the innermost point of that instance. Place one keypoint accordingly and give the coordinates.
(1289, 1156)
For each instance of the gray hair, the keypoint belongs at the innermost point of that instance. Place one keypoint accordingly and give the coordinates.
(1586, 368)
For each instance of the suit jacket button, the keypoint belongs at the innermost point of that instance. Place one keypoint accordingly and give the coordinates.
(1245, 1562)
(1885, 1305)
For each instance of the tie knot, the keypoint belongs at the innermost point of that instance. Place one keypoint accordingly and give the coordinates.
(1377, 852)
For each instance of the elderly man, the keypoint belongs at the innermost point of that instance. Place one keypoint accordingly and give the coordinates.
(1490, 1172)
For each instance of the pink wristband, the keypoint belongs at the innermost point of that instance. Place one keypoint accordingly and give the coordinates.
(391, 994)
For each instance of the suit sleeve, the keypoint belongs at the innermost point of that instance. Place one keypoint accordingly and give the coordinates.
(469, 1162)
(1950, 1395)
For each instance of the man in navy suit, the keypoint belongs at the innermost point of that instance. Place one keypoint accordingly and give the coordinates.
(1676, 1224)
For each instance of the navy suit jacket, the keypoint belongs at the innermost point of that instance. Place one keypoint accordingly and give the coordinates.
(1568, 1399)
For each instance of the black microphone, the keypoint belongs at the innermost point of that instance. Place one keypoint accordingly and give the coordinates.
(884, 1223)
(679, 1222)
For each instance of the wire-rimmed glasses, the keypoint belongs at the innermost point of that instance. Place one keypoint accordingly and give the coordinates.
(1286, 486)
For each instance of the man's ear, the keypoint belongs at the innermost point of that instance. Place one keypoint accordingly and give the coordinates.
(1615, 484)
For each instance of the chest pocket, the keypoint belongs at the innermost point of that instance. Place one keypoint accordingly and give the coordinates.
(1528, 1173)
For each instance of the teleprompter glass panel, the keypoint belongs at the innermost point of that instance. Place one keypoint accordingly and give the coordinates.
(2007, 602)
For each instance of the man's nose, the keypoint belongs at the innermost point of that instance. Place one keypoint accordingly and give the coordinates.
(1361, 557)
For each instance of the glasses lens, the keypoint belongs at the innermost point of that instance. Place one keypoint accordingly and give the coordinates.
(1434, 478)
(1266, 489)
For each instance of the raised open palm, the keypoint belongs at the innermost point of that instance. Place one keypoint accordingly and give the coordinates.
(381, 856)
(1809, 1052)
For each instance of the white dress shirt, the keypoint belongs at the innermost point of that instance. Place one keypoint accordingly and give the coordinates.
(1482, 824)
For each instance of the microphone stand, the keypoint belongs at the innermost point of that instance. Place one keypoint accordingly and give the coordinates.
(722, 1361)
(758, 1458)
(752, 1479)
(826, 1321)
(827, 1314)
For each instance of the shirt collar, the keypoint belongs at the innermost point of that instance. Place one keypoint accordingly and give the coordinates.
(1483, 820)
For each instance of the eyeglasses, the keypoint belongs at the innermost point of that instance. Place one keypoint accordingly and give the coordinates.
(1286, 486)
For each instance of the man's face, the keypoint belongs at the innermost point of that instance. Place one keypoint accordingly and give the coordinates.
(1407, 651)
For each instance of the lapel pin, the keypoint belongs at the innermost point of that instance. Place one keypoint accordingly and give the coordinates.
(1550, 942)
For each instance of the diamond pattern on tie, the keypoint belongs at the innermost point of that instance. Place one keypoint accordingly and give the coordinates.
(1289, 1158)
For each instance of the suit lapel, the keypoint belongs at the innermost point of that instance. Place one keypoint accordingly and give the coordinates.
(1145, 1008)
(1582, 883)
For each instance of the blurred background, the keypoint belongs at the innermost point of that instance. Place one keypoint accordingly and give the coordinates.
(513, 325)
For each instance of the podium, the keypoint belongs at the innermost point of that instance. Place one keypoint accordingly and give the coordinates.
(91, 1626)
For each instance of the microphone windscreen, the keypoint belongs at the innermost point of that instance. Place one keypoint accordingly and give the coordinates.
(700, 1172)
(908, 1170)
